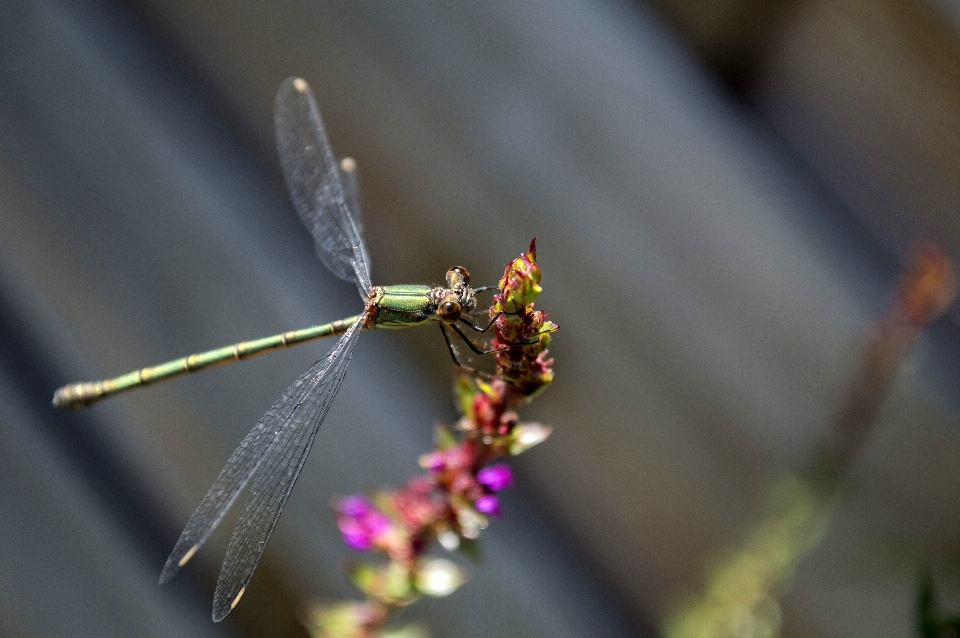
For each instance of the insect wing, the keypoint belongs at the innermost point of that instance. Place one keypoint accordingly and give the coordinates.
(285, 432)
(297, 417)
(351, 191)
(313, 179)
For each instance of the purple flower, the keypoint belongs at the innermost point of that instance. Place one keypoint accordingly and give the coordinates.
(360, 522)
(487, 504)
(354, 506)
(354, 535)
(496, 477)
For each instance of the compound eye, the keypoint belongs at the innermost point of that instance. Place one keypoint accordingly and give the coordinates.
(449, 311)
(462, 272)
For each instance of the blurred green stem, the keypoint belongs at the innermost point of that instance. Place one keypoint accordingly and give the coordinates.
(739, 600)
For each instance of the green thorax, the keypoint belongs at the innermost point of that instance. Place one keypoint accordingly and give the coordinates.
(401, 306)
(411, 305)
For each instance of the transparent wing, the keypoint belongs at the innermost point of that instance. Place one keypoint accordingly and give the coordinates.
(313, 178)
(300, 411)
(351, 191)
(285, 432)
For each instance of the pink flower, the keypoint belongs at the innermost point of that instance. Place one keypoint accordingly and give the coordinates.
(488, 504)
(496, 477)
(360, 522)
(433, 462)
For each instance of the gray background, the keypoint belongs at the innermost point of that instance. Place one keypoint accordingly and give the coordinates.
(722, 193)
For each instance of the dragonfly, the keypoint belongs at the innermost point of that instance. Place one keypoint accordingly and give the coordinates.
(270, 458)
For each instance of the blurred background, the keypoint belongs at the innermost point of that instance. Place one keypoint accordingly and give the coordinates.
(722, 191)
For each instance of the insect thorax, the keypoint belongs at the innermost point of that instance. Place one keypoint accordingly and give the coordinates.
(406, 305)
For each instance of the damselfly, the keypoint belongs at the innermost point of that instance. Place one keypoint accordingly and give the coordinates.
(270, 458)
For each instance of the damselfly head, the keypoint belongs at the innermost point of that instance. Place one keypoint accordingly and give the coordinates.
(457, 298)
